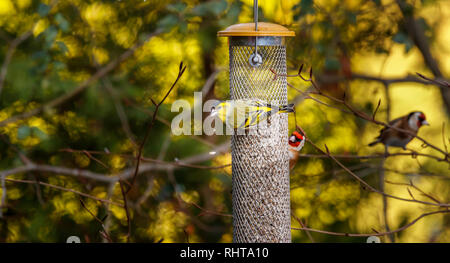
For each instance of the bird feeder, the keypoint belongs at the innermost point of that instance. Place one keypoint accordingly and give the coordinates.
(260, 160)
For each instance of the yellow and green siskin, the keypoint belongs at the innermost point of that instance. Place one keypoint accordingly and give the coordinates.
(242, 114)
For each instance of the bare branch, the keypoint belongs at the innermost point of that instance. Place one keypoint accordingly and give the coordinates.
(369, 187)
(104, 233)
(64, 189)
(3, 197)
(181, 70)
(375, 112)
(206, 211)
(119, 110)
(386, 81)
(125, 207)
(416, 188)
(366, 117)
(417, 34)
(303, 226)
(68, 96)
(435, 81)
(9, 54)
(12, 49)
(376, 233)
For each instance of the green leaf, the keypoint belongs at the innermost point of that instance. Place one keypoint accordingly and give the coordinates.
(217, 7)
(38, 133)
(183, 27)
(23, 132)
(62, 47)
(177, 8)
(63, 24)
(214, 8)
(306, 7)
(400, 37)
(408, 46)
(43, 9)
(351, 17)
(332, 63)
(58, 65)
(50, 34)
(232, 14)
(168, 22)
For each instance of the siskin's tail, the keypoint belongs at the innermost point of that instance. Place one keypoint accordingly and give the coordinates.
(287, 108)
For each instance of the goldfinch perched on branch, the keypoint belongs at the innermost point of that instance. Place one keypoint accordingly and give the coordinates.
(296, 143)
(242, 114)
(391, 137)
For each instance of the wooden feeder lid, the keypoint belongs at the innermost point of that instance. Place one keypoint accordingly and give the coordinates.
(248, 30)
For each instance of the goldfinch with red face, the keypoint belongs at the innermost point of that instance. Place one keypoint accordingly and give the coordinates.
(296, 143)
(391, 137)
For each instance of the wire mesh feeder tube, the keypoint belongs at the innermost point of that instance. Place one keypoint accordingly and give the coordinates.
(260, 161)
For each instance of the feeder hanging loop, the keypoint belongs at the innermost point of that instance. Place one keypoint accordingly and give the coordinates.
(255, 59)
(255, 14)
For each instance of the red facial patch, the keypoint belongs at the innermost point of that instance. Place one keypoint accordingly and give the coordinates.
(421, 119)
(297, 135)
(294, 144)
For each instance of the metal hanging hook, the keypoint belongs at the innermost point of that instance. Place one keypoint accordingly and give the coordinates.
(255, 59)
(255, 14)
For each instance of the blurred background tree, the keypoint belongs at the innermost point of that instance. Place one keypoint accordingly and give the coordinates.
(78, 82)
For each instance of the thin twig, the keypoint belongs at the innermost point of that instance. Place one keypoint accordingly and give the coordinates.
(369, 187)
(372, 234)
(104, 233)
(64, 189)
(70, 95)
(206, 211)
(308, 234)
(435, 81)
(119, 110)
(416, 188)
(12, 49)
(363, 115)
(181, 70)
(125, 207)
(3, 197)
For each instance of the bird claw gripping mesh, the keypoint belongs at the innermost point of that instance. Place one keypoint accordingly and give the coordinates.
(260, 159)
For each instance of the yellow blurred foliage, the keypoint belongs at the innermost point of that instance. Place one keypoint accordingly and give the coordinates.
(14, 231)
(97, 15)
(100, 55)
(190, 196)
(40, 26)
(6, 7)
(168, 223)
(117, 162)
(69, 204)
(14, 193)
(22, 4)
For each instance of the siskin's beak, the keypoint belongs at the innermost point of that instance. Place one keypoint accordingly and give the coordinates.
(425, 123)
(213, 112)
